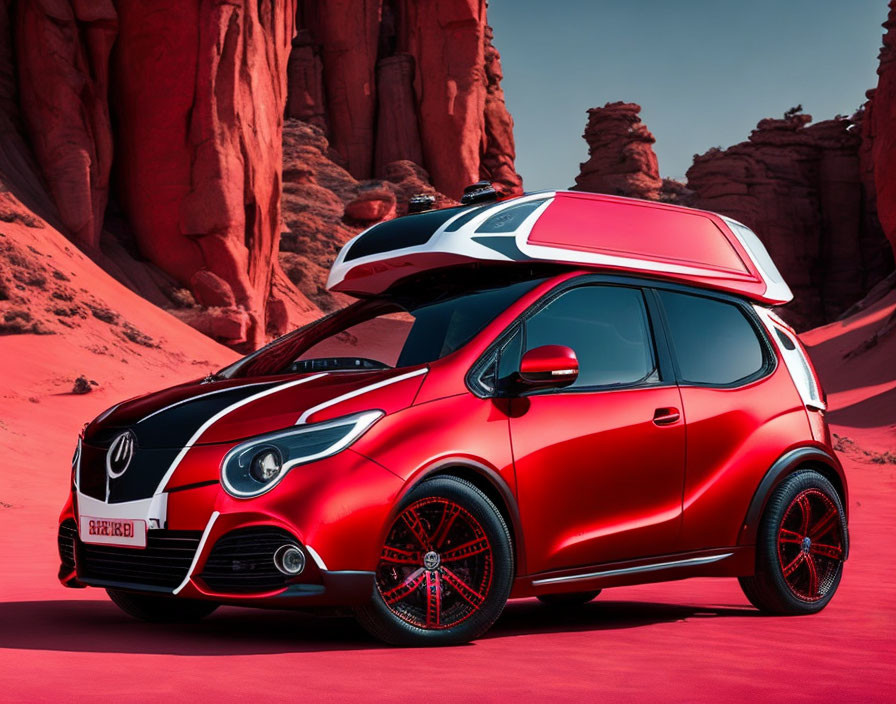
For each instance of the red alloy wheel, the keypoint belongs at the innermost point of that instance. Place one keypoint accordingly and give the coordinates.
(810, 544)
(437, 566)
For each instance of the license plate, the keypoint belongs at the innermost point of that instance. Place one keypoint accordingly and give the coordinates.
(113, 531)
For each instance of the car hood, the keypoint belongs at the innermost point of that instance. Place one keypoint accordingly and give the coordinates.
(200, 412)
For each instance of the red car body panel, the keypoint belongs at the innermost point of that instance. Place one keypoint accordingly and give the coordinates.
(734, 436)
(620, 496)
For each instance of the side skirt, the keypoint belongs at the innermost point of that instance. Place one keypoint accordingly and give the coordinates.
(720, 562)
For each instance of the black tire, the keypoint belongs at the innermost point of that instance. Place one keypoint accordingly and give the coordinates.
(161, 609)
(568, 600)
(458, 606)
(799, 554)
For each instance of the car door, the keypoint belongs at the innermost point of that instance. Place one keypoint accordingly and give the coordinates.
(600, 463)
(741, 411)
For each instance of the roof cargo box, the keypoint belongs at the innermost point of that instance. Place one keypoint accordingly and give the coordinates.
(582, 230)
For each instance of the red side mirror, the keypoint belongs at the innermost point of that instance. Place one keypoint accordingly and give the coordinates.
(549, 365)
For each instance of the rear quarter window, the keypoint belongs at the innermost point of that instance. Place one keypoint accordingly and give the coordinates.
(713, 341)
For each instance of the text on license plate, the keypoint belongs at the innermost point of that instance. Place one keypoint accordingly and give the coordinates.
(113, 531)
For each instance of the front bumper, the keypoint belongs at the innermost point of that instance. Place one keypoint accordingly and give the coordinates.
(213, 546)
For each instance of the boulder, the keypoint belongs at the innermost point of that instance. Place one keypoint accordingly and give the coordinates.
(372, 205)
(210, 289)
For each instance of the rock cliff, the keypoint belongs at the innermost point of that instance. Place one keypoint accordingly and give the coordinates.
(151, 135)
(799, 186)
(400, 80)
(881, 130)
(812, 192)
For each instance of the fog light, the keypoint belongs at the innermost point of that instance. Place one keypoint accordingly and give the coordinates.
(289, 560)
(266, 466)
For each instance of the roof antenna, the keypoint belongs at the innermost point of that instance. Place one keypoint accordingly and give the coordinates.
(482, 192)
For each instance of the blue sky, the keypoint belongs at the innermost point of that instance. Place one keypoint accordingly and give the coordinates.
(704, 71)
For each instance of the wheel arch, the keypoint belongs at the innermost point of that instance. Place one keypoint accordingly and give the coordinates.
(815, 458)
(490, 483)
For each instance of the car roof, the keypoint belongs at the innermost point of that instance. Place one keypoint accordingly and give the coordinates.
(583, 230)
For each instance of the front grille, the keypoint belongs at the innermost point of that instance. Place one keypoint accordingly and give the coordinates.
(68, 534)
(163, 563)
(92, 471)
(243, 561)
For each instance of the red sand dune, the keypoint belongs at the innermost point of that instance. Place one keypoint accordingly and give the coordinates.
(696, 640)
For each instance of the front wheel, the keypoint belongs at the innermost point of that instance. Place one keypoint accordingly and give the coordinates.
(161, 609)
(445, 570)
(800, 547)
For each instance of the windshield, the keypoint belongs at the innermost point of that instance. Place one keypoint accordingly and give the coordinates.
(400, 330)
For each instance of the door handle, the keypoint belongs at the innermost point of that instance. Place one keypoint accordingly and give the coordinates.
(666, 416)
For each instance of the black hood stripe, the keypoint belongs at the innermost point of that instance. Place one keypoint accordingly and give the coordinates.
(220, 414)
(175, 425)
(196, 398)
(163, 438)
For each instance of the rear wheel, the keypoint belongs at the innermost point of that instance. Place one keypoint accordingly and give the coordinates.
(161, 609)
(569, 599)
(800, 547)
(445, 570)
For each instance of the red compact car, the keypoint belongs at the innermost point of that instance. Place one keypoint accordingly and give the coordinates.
(539, 396)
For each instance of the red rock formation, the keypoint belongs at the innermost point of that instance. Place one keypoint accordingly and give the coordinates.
(621, 159)
(324, 206)
(18, 170)
(199, 93)
(450, 86)
(498, 150)
(348, 34)
(304, 77)
(799, 187)
(411, 81)
(397, 136)
(315, 191)
(63, 68)
(881, 129)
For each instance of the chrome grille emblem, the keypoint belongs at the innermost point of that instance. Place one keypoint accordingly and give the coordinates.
(120, 454)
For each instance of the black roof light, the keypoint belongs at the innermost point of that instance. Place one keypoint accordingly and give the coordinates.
(482, 192)
(421, 202)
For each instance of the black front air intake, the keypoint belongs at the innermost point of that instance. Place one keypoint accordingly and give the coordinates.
(242, 561)
(163, 564)
(68, 534)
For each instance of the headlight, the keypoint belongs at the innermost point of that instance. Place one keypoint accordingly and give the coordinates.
(257, 465)
(266, 465)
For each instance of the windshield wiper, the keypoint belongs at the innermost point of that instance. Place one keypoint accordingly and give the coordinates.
(336, 363)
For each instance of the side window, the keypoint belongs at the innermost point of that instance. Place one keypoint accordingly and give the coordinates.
(607, 328)
(713, 340)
